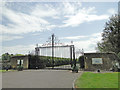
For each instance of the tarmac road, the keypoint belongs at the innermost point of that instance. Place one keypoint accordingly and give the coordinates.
(39, 79)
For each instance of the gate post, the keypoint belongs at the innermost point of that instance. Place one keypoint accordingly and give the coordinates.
(37, 50)
(74, 56)
(71, 62)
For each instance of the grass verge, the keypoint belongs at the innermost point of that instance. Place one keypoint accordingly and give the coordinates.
(98, 80)
(6, 71)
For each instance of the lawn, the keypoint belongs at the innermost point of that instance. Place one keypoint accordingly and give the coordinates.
(97, 80)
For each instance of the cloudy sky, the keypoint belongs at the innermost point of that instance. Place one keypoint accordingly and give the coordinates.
(24, 24)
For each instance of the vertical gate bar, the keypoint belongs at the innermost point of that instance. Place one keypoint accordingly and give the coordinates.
(53, 50)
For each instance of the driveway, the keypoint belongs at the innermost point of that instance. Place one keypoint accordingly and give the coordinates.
(39, 79)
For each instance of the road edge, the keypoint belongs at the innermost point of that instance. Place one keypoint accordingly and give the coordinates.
(73, 85)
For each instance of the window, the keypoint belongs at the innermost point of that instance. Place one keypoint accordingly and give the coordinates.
(18, 61)
(21, 61)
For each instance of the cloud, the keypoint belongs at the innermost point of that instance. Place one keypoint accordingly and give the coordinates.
(82, 36)
(10, 37)
(18, 49)
(69, 8)
(37, 18)
(2, 4)
(44, 10)
(112, 11)
(83, 15)
(96, 34)
(73, 37)
(89, 44)
(25, 23)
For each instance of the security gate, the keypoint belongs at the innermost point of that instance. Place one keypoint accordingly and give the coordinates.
(57, 57)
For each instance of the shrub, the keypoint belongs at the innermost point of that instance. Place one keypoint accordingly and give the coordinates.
(19, 68)
(46, 61)
(81, 61)
(75, 69)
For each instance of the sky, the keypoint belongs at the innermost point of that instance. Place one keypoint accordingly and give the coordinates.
(25, 24)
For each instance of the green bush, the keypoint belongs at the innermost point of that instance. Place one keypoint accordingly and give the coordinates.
(19, 68)
(81, 62)
(37, 62)
(75, 69)
(46, 61)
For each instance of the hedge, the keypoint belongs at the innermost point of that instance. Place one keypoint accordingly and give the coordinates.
(46, 61)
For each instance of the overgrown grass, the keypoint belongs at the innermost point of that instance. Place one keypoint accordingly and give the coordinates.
(97, 80)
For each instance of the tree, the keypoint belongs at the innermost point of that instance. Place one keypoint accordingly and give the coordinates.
(110, 36)
(5, 56)
(119, 54)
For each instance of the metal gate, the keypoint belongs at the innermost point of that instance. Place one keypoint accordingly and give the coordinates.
(58, 57)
